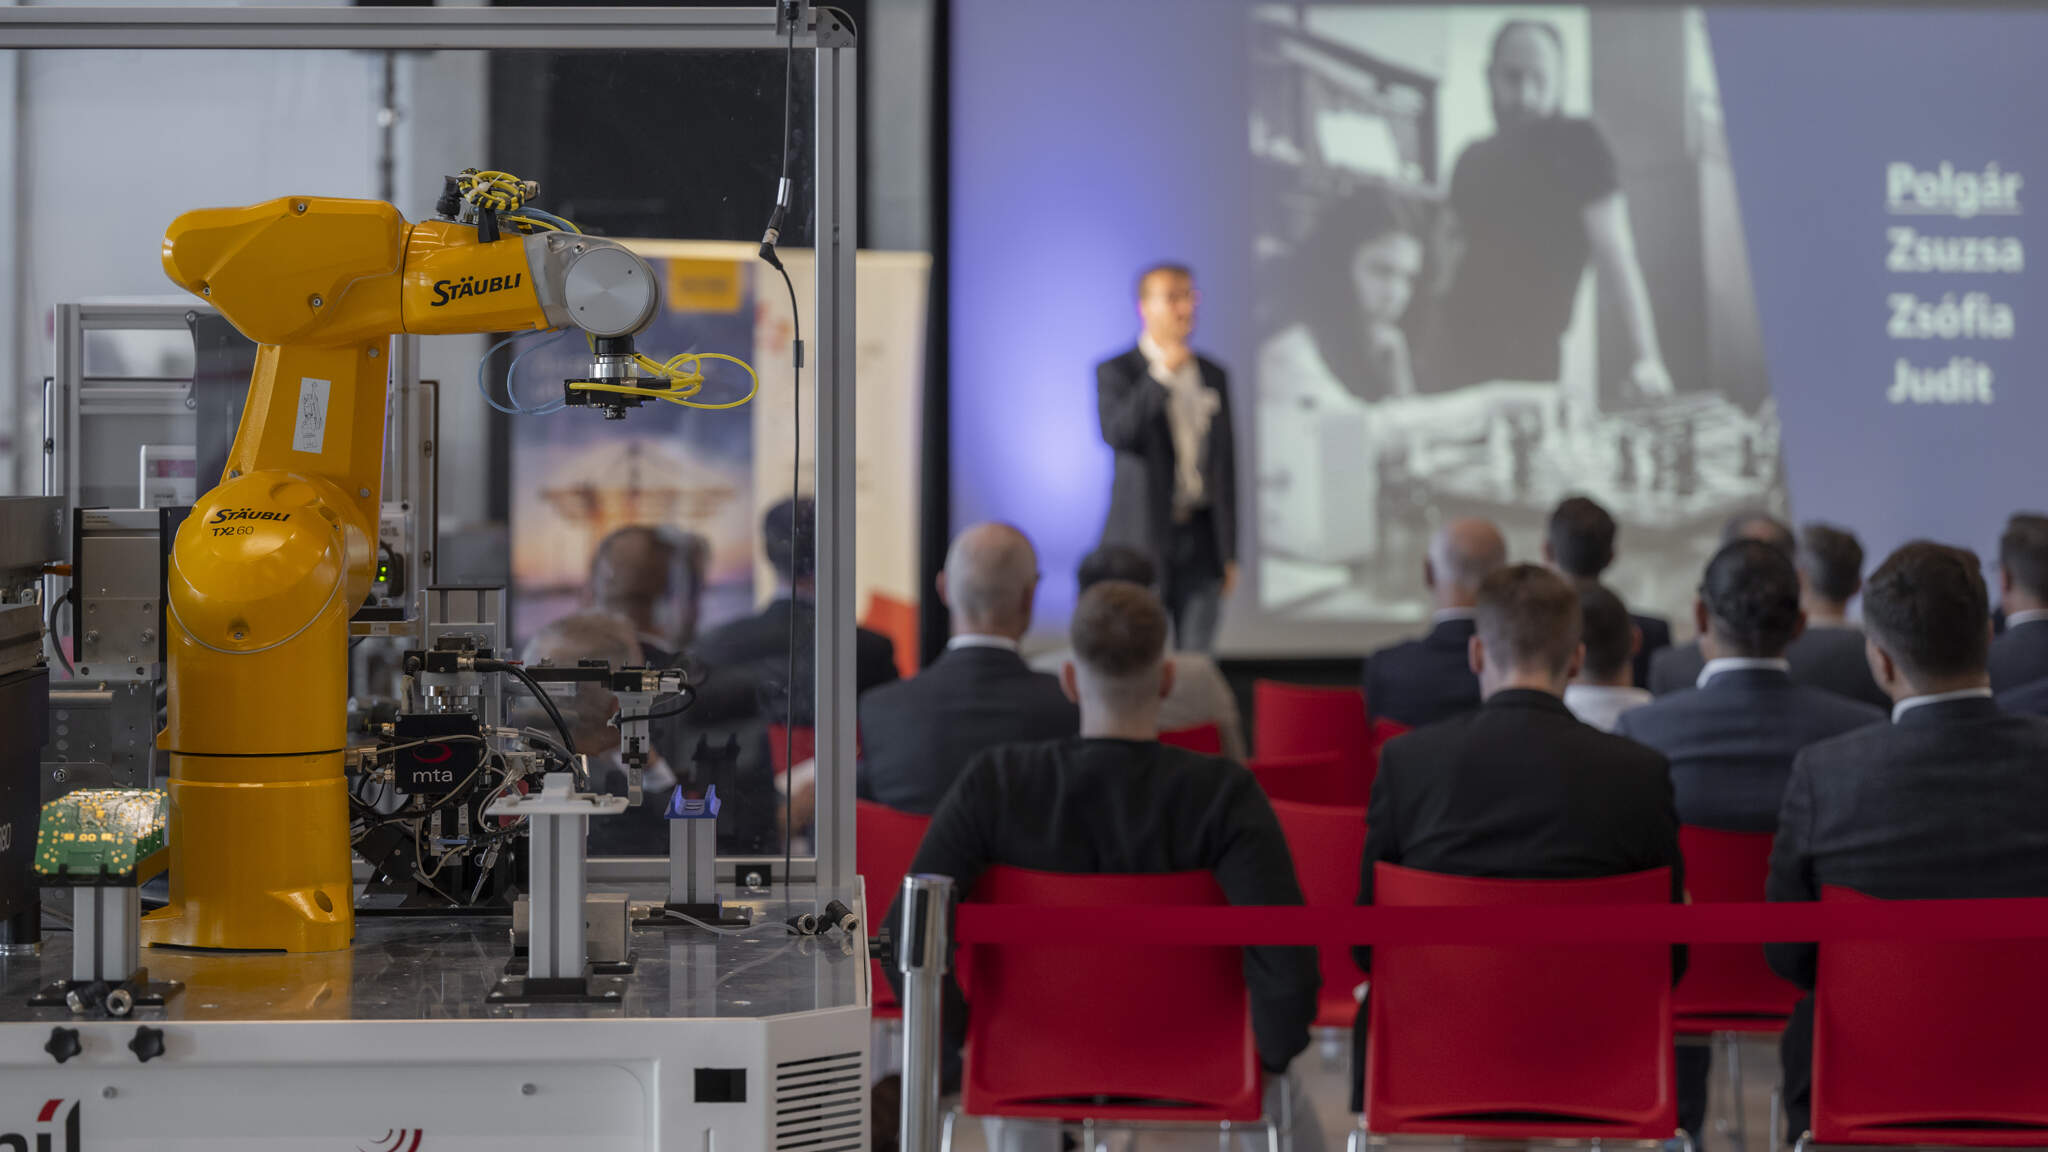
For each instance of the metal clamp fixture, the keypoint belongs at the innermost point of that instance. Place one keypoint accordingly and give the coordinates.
(557, 961)
(924, 946)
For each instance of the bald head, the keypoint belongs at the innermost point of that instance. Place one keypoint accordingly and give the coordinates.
(990, 580)
(1461, 556)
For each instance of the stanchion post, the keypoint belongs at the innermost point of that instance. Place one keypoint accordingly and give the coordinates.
(924, 945)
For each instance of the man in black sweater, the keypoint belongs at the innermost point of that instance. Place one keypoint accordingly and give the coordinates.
(1519, 789)
(1115, 800)
(1948, 801)
(918, 734)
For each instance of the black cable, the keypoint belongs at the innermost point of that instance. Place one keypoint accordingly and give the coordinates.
(769, 237)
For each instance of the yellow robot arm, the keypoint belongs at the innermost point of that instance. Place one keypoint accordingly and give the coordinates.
(273, 562)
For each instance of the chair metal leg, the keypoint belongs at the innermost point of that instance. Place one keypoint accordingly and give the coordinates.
(1273, 1137)
(1777, 1117)
(1088, 1136)
(1740, 1135)
(946, 1130)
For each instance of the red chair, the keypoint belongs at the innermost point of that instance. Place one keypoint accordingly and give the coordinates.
(1327, 843)
(1104, 1034)
(884, 843)
(1204, 738)
(1575, 1041)
(788, 746)
(896, 619)
(1929, 1044)
(1296, 720)
(1377, 733)
(1319, 778)
(1729, 989)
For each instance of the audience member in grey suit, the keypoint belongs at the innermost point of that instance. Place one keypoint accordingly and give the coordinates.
(1949, 800)
(2019, 656)
(1829, 654)
(917, 735)
(1731, 740)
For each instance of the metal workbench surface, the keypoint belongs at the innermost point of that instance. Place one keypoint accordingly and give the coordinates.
(444, 967)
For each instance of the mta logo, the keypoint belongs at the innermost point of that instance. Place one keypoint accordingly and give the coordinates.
(48, 1126)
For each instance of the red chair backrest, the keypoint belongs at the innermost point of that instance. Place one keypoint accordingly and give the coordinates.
(1055, 1025)
(1728, 980)
(1297, 720)
(1204, 738)
(896, 619)
(884, 843)
(1928, 1042)
(1318, 778)
(1327, 844)
(788, 746)
(1577, 1032)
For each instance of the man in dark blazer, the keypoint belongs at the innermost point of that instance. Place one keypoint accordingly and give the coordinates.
(917, 734)
(1732, 739)
(1166, 412)
(1949, 800)
(1520, 788)
(745, 664)
(1428, 679)
(1678, 667)
(2020, 653)
(1579, 542)
(1830, 653)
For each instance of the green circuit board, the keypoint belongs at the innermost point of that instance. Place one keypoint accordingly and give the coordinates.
(99, 833)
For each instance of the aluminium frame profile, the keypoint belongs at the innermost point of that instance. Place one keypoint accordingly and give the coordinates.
(835, 96)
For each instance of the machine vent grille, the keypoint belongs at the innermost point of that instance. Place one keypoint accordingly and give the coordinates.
(821, 1104)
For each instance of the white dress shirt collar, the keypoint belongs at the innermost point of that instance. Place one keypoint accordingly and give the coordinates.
(1912, 702)
(1740, 664)
(1601, 705)
(2015, 619)
(981, 640)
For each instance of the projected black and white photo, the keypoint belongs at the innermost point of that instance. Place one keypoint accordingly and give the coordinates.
(1499, 260)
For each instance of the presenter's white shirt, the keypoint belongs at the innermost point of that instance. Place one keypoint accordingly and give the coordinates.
(1190, 406)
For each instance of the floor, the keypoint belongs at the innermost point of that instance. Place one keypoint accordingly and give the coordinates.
(1323, 1070)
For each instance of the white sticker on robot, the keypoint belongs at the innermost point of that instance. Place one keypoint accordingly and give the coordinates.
(310, 433)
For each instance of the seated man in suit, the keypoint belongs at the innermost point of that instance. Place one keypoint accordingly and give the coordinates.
(1732, 739)
(589, 708)
(1949, 800)
(1829, 654)
(1519, 789)
(653, 577)
(1678, 668)
(2019, 656)
(1604, 687)
(746, 663)
(1579, 542)
(1116, 800)
(917, 734)
(1422, 681)
(1200, 693)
